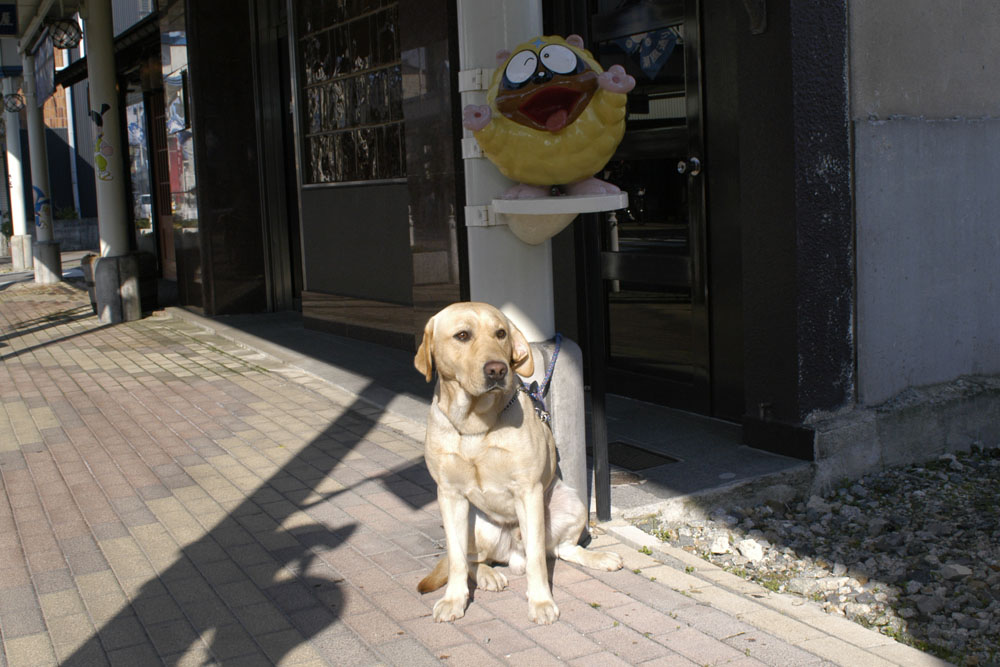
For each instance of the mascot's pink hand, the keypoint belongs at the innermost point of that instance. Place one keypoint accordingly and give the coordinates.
(615, 80)
(476, 117)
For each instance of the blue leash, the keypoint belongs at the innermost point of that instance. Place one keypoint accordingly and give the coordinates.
(537, 392)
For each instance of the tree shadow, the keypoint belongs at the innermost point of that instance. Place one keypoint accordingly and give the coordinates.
(261, 571)
(36, 324)
(46, 343)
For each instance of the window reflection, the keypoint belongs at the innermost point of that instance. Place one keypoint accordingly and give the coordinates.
(139, 170)
(351, 90)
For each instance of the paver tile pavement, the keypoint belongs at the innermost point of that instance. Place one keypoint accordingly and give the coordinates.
(170, 496)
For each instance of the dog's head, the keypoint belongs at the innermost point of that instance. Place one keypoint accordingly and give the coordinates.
(475, 345)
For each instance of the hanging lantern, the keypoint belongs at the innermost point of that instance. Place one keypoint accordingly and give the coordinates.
(65, 33)
(13, 102)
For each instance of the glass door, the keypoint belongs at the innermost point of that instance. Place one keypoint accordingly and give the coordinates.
(652, 255)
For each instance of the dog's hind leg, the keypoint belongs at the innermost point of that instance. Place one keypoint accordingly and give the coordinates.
(489, 579)
(595, 560)
(492, 544)
(566, 520)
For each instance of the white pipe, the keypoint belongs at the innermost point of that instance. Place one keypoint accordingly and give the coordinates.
(12, 120)
(504, 271)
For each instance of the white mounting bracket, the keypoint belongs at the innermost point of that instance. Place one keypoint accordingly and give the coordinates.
(471, 148)
(535, 221)
(479, 216)
(474, 80)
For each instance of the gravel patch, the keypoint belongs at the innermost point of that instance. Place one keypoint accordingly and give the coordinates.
(911, 551)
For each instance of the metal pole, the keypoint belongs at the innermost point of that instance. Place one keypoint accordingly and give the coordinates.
(596, 350)
(105, 113)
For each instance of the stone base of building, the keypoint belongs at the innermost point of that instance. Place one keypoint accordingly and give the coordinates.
(21, 258)
(917, 425)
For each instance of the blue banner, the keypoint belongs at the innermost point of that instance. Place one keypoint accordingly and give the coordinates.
(45, 70)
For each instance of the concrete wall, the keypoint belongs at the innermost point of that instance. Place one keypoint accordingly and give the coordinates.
(77, 234)
(926, 125)
(74, 233)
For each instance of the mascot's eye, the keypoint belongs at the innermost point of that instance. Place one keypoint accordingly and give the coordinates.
(559, 59)
(462, 336)
(521, 66)
(501, 334)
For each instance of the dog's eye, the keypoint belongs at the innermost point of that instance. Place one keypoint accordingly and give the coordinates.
(462, 336)
(501, 334)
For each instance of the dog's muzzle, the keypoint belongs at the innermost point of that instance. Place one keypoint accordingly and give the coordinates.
(495, 374)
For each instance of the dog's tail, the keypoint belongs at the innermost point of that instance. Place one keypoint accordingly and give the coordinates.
(437, 578)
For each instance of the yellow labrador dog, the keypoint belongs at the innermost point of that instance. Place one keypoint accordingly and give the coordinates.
(494, 462)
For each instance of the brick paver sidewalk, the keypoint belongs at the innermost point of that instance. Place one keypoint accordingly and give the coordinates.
(171, 497)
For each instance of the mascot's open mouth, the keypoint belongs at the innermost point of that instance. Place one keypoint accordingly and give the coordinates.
(551, 107)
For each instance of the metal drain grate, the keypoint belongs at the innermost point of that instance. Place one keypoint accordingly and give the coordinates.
(631, 457)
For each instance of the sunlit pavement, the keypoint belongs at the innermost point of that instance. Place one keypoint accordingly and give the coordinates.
(170, 496)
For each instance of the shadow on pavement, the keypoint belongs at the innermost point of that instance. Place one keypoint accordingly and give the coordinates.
(53, 341)
(23, 327)
(234, 584)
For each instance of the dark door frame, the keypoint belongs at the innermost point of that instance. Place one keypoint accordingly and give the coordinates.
(267, 25)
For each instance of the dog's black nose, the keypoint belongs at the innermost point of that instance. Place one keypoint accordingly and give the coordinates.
(495, 370)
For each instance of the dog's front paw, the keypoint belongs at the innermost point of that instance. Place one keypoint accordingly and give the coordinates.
(543, 612)
(449, 609)
(489, 579)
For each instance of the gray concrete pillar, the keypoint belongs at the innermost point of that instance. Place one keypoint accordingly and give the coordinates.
(116, 288)
(116, 273)
(105, 112)
(565, 404)
(48, 262)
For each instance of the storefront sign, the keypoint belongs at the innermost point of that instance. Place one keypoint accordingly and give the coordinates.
(8, 19)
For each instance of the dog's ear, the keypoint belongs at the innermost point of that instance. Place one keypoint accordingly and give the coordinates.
(424, 361)
(521, 359)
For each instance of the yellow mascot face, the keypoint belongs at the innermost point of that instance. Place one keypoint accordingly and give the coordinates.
(552, 116)
(545, 84)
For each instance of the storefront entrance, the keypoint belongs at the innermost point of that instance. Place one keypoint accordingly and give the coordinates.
(653, 255)
(663, 278)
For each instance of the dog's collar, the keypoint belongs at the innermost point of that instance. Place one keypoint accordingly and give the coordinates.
(513, 398)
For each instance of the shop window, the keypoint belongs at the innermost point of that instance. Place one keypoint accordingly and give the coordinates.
(350, 91)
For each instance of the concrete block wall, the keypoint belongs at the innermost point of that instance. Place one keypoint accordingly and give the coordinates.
(926, 124)
(76, 234)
